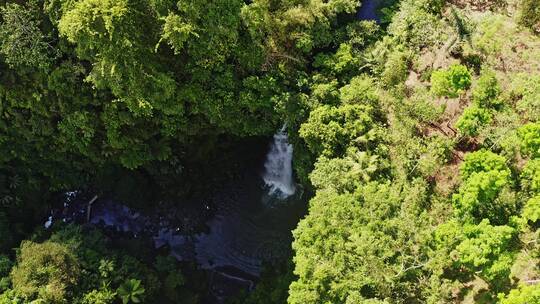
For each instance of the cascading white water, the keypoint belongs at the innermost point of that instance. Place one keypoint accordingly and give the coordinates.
(278, 166)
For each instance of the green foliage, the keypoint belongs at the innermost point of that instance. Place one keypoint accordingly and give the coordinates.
(396, 69)
(22, 42)
(87, 86)
(5, 268)
(176, 32)
(415, 24)
(463, 28)
(482, 249)
(324, 90)
(433, 6)
(485, 176)
(436, 153)
(522, 294)
(113, 97)
(9, 297)
(486, 92)
(451, 82)
(46, 271)
(131, 291)
(494, 259)
(118, 49)
(490, 38)
(76, 267)
(104, 296)
(476, 197)
(345, 174)
(330, 130)
(366, 245)
(420, 107)
(531, 211)
(273, 287)
(528, 91)
(360, 90)
(530, 183)
(103, 92)
(77, 130)
(530, 176)
(343, 62)
(529, 14)
(472, 120)
(174, 280)
(530, 139)
(482, 161)
(290, 24)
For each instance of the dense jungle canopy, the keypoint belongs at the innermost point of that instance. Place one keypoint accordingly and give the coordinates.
(416, 138)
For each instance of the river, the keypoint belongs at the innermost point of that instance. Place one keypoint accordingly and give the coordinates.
(368, 10)
(248, 220)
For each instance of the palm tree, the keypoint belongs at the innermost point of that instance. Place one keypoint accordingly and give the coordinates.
(131, 291)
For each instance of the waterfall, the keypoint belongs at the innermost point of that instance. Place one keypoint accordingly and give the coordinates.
(278, 166)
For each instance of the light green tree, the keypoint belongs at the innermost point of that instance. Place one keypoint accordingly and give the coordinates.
(481, 249)
(345, 174)
(482, 161)
(530, 139)
(472, 120)
(484, 177)
(362, 246)
(330, 130)
(451, 82)
(531, 210)
(521, 295)
(48, 271)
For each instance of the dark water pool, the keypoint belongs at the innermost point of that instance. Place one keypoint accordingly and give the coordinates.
(244, 226)
(368, 10)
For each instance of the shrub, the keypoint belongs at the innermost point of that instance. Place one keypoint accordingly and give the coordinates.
(472, 119)
(530, 177)
(477, 196)
(396, 69)
(344, 174)
(531, 211)
(487, 90)
(527, 88)
(482, 161)
(104, 296)
(131, 291)
(530, 139)
(451, 82)
(22, 44)
(483, 5)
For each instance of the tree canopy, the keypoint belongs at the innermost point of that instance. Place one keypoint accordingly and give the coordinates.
(416, 140)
